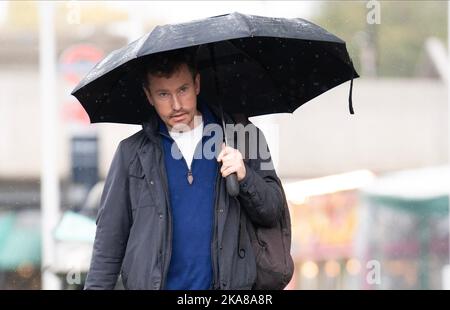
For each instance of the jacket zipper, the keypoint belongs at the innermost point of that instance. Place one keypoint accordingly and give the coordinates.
(215, 244)
(164, 264)
(215, 258)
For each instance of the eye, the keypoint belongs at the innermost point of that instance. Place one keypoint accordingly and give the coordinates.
(183, 89)
(163, 95)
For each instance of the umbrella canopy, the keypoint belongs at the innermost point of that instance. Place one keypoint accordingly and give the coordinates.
(263, 65)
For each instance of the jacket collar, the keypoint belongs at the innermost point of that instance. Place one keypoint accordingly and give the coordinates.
(150, 126)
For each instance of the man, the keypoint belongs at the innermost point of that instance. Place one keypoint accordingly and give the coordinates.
(165, 218)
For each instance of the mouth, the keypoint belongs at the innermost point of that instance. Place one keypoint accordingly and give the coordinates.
(178, 116)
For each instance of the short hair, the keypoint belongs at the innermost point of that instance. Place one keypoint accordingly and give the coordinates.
(167, 63)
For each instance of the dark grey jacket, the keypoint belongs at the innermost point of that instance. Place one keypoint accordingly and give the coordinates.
(134, 220)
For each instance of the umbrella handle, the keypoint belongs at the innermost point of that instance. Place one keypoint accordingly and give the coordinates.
(232, 185)
(231, 180)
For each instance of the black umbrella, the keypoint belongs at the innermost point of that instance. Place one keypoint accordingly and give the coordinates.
(251, 64)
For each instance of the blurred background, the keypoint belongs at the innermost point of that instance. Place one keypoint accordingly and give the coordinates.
(368, 193)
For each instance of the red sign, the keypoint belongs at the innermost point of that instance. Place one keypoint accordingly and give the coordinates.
(78, 60)
(75, 63)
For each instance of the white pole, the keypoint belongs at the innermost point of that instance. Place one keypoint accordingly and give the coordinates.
(49, 172)
(446, 271)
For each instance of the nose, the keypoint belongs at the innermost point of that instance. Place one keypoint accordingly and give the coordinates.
(176, 104)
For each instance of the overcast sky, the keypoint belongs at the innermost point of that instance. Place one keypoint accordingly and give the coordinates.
(2, 11)
(179, 11)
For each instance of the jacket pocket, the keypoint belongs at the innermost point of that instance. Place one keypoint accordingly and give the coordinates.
(140, 187)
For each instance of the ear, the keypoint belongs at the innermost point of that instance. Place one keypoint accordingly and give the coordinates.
(147, 94)
(197, 84)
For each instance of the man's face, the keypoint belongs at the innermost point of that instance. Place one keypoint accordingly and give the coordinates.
(174, 98)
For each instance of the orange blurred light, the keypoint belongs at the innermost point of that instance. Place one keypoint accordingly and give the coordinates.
(309, 269)
(332, 268)
(353, 266)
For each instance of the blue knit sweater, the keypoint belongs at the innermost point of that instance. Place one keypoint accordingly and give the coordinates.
(192, 207)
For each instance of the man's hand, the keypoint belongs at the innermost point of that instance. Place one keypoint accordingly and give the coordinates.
(231, 162)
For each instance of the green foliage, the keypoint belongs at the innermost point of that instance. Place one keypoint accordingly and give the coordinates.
(400, 36)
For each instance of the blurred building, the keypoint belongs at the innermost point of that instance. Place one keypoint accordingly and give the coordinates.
(388, 232)
(326, 216)
(405, 228)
